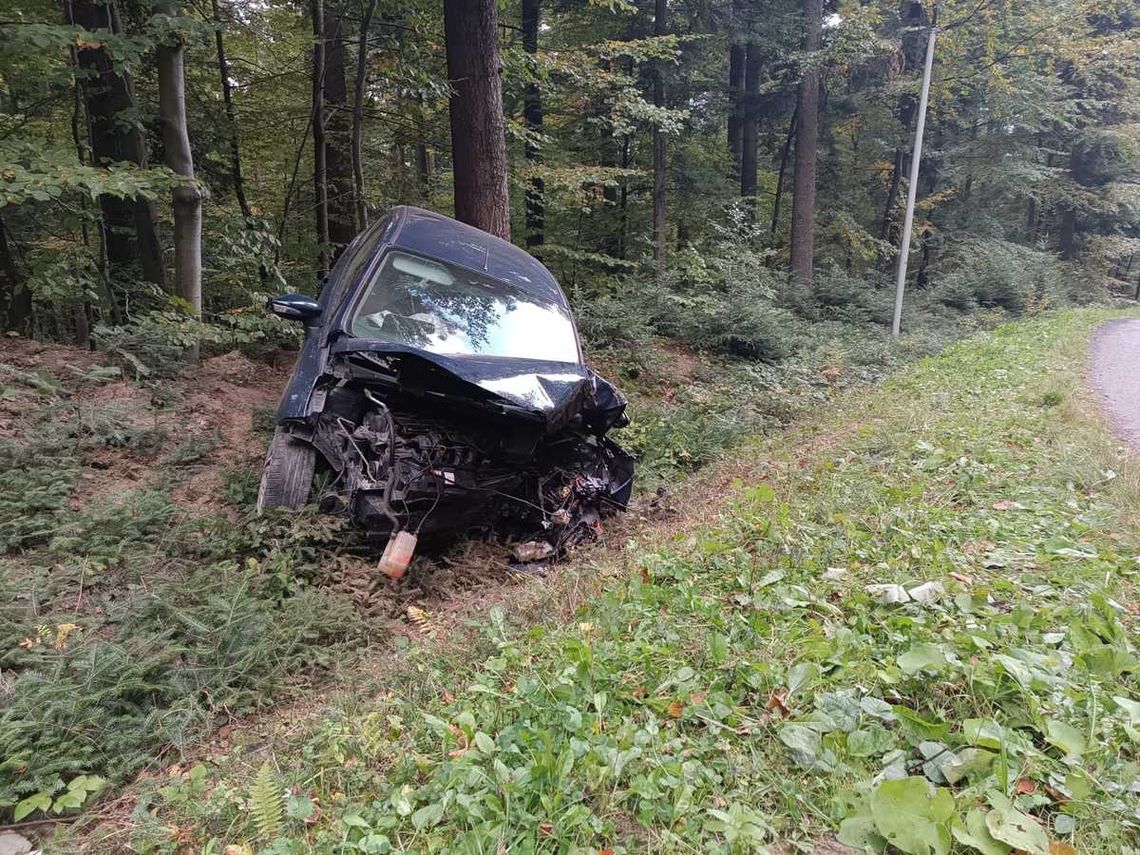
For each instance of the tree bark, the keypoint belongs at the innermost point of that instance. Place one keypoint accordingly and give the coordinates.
(660, 28)
(807, 134)
(341, 190)
(128, 225)
(736, 60)
(320, 171)
(17, 299)
(750, 134)
(187, 196)
(478, 129)
(358, 113)
(783, 170)
(532, 116)
(231, 115)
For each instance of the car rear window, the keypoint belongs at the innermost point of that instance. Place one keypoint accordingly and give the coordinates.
(449, 310)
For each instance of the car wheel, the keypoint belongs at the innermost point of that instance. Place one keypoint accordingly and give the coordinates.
(287, 478)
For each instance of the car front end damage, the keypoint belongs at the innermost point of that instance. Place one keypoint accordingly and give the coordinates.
(503, 449)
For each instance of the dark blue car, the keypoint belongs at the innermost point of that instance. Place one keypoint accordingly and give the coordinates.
(441, 385)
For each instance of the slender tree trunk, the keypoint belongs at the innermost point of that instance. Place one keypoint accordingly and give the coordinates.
(320, 170)
(807, 134)
(358, 113)
(750, 136)
(187, 196)
(341, 192)
(129, 232)
(17, 299)
(231, 115)
(660, 28)
(783, 170)
(478, 129)
(736, 60)
(532, 115)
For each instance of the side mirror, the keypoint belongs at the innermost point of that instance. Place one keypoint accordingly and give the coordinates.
(295, 307)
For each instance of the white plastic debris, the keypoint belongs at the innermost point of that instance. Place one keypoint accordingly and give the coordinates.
(928, 592)
(888, 594)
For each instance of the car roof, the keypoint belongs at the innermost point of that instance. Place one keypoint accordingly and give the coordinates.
(434, 235)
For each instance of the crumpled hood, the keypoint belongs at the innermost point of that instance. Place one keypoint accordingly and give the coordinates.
(554, 392)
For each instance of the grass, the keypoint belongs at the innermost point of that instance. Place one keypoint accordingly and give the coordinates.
(755, 682)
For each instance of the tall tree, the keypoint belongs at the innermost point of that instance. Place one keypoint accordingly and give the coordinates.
(660, 28)
(320, 171)
(15, 298)
(736, 60)
(750, 131)
(176, 141)
(807, 134)
(478, 129)
(236, 178)
(358, 113)
(341, 190)
(130, 238)
(532, 116)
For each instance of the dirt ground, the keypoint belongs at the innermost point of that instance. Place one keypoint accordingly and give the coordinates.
(1115, 374)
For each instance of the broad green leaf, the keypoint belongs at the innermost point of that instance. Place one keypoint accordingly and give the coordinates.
(860, 833)
(37, 801)
(869, 741)
(920, 657)
(484, 743)
(972, 832)
(1065, 736)
(427, 816)
(913, 816)
(1009, 825)
(966, 762)
(803, 742)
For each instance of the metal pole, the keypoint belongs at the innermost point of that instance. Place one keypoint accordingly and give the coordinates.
(915, 158)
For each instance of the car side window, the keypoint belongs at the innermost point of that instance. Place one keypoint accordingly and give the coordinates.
(353, 261)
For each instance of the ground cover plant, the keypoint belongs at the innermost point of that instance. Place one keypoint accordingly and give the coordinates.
(912, 629)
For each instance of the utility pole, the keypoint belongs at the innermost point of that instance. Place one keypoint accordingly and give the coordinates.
(915, 158)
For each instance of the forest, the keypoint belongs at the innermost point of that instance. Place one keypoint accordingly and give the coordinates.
(724, 174)
(876, 589)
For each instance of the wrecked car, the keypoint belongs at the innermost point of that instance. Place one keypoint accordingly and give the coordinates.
(441, 389)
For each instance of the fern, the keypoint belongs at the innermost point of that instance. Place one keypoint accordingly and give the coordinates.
(266, 803)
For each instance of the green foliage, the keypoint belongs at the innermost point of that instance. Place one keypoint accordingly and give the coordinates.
(738, 685)
(266, 803)
(999, 273)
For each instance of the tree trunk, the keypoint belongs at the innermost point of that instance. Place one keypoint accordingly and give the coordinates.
(478, 129)
(320, 171)
(736, 60)
(231, 115)
(341, 191)
(660, 25)
(129, 232)
(358, 114)
(17, 299)
(783, 170)
(807, 133)
(750, 136)
(187, 196)
(532, 115)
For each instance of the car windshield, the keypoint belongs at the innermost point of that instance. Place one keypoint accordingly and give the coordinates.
(448, 310)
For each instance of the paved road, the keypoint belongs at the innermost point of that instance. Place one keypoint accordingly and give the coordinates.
(1116, 375)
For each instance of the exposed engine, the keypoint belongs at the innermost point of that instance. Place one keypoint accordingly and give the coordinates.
(444, 470)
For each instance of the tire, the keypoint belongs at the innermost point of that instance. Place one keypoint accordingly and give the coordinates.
(287, 478)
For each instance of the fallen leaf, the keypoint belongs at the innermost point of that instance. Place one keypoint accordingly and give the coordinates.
(1055, 794)
(1025, 786)
(776, 704)
(545, 829)
(1059, 847)
(964, 578)
(696, 698)
(675, 709)
(1003, 505)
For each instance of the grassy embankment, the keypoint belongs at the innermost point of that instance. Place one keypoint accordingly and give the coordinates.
(740, 684)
